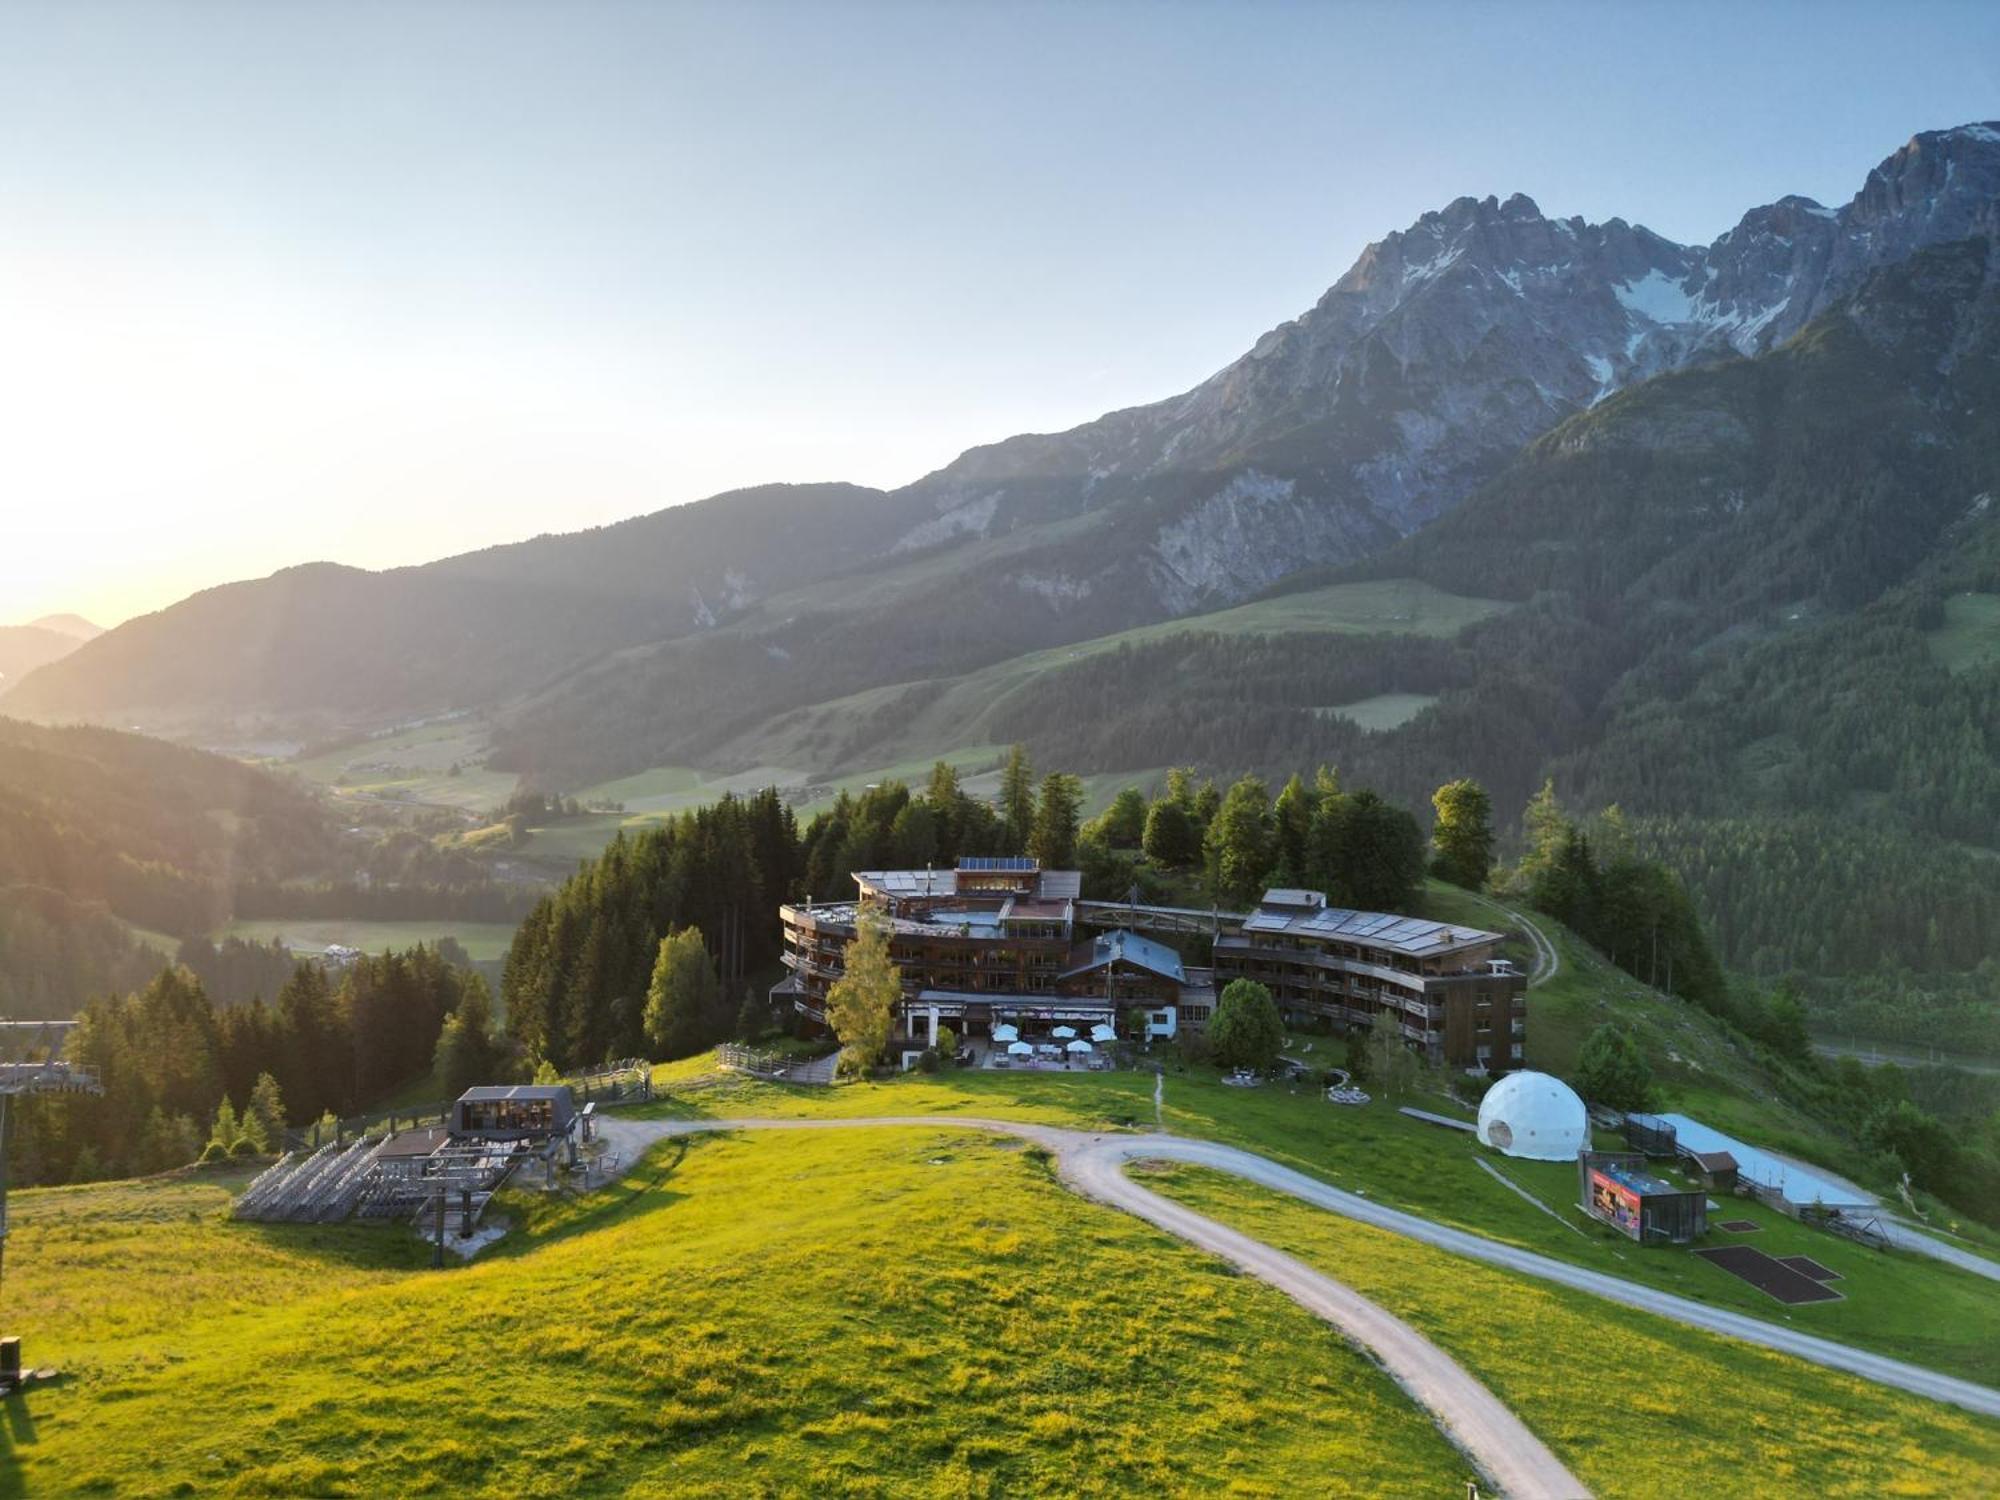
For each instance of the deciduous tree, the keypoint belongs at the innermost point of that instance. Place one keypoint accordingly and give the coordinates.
(1393, 1069)
(1171, 840)
(861, 1006)
(684, 1001)
(1246, 1030)
(1122, 825)
(1462, 837)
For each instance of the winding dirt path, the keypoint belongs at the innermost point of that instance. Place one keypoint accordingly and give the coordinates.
(1093, 1165)
(1548, 960)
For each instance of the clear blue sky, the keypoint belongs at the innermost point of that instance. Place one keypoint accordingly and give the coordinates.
(378, 282)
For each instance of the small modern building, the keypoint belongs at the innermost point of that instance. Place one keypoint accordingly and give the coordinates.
(1618, 1189)
(514, 1112)
(1454, 996)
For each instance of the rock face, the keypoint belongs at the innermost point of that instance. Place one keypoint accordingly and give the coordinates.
(1446, 347)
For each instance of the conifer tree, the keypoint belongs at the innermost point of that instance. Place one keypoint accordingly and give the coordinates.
(1052, 839)
(226, 1131)
(264, 1115)
(1291, 832)
(1017, 798)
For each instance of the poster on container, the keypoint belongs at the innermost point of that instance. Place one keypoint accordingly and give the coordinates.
(1614, 1203)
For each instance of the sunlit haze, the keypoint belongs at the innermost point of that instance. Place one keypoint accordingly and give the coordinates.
(380, 283)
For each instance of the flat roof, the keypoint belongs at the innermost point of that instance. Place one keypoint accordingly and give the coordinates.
(1419, 937)
(410, 1143)
(1640, 1181)
(1030, 909)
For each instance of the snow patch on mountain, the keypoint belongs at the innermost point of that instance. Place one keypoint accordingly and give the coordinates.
(1657, 296)
(1442, 350)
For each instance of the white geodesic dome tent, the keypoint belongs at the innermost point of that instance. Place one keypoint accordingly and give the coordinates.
(1534, 1116)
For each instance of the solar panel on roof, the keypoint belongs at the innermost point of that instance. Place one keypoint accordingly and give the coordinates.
(1017, 864)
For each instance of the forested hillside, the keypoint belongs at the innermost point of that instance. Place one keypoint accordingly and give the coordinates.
(102, 831)
(180, 1070)
(320, 647)
(1740, 592)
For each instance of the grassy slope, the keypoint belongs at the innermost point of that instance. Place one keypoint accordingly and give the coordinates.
(1903, 1305)
(959, 712)
(413, 765)
(1700, 1069)
(1970, 636)
(1634, 1404)
(891, 1313)
(953, 724)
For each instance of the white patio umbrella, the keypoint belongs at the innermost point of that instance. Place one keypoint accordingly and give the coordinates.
(1064, 1031)
(1081, 1046)
(1102, 1033)
(1006, 1033)
(1018, 1049)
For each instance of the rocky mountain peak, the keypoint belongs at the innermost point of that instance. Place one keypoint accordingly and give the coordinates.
(1445, 347)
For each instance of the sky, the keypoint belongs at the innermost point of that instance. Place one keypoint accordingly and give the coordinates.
(380, 281)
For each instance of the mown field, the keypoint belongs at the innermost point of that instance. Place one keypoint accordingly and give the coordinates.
(894, 1312)
(413, 765)
(1384, 711)
(1634, 1404)
(481, 940)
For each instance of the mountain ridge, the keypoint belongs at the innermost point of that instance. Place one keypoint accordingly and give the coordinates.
(1441, 353)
